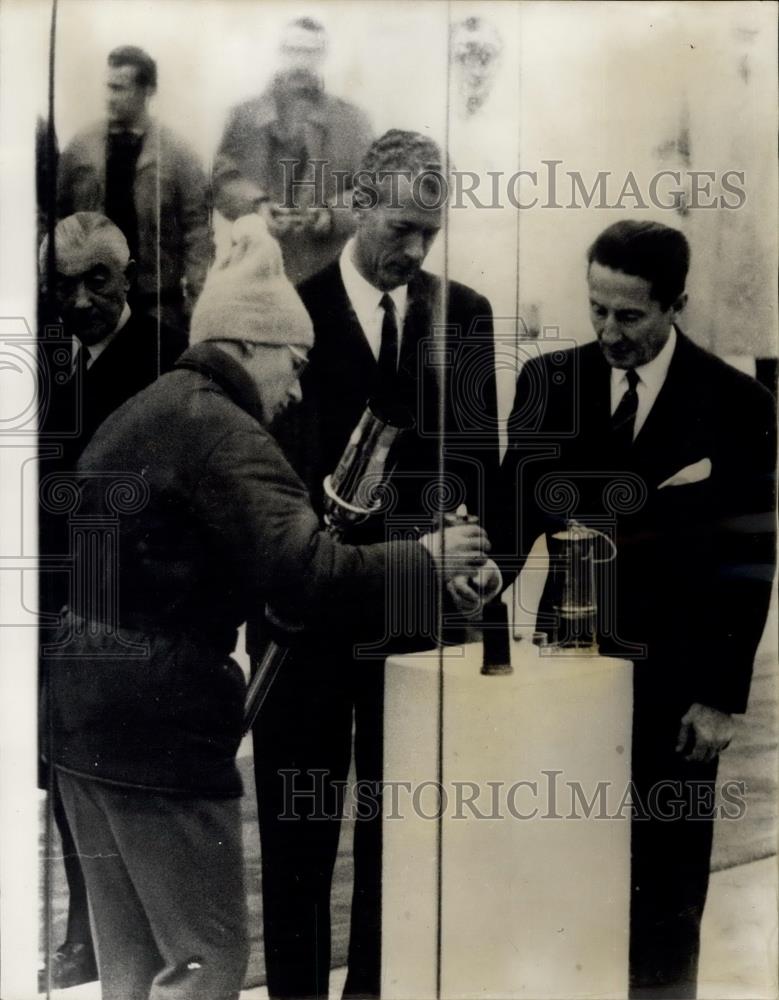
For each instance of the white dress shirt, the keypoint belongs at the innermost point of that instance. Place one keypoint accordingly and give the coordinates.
(365, 301)
(651, 378)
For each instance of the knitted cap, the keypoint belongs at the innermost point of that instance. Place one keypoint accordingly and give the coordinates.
(247, 296)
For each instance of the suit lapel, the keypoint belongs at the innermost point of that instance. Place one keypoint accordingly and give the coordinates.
(670, 429)
(352, 345)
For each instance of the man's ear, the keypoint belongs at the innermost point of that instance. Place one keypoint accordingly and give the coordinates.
(680, 303)
(129, 274)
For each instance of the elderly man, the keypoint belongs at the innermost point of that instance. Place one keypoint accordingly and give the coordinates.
(672, 451)
(107, 354)
(114, 350)
(382, 327)
(147, 181)
(291, 153)
(145, 704)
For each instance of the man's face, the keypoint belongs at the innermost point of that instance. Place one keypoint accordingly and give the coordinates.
(126, 99)
(301, 50)
(91, 289)
(630, 325)
(394, 238)
(276, 372)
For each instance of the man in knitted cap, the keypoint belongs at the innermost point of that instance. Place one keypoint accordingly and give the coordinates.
(204, 521)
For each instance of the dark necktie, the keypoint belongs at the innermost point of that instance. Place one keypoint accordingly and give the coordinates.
(388, 353)
(624, 419)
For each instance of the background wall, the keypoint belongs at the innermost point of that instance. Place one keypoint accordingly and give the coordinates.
(617, 87)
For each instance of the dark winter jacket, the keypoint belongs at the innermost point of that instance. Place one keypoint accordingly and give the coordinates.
(191, 520)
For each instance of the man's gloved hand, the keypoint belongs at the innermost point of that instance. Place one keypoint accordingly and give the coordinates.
(704, 732)
(471, 593)
(460, 550)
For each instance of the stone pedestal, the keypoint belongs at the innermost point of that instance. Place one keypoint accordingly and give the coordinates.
(521, 889)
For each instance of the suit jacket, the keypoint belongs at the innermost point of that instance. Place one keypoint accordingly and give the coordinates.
(78, 399)
(342, 376)
(688, 593)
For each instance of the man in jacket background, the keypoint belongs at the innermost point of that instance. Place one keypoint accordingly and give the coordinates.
(146, 180)
(145, 706)
(291, 153)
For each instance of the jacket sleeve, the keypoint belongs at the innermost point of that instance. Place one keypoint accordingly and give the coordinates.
(519, 519)
(259, 510)
(734, 599)
(193, 206)
(235, 194)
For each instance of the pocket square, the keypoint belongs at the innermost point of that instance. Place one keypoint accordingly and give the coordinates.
(694, 473)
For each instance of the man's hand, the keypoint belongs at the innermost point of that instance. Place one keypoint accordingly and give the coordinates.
(710, 729)
(460, 550)
(280, 220)
(471, 593)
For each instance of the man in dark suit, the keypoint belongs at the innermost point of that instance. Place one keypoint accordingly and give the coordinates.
(385, 330)
(671, 451)
(102, 354)
(114, 351)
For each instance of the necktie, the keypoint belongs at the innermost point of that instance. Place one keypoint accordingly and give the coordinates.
(624, 419)
(388, 353)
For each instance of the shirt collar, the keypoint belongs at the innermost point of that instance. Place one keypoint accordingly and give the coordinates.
(217, 365)
(364, 296)
(654, 372)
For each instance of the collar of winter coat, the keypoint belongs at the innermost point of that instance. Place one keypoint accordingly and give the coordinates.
(229, 375)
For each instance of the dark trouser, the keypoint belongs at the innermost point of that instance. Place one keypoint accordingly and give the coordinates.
(670, 853)
(305, 730)
(166, 891)
(78, 930)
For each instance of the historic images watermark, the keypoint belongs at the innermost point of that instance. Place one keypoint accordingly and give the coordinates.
(549, 185)
(311, 795)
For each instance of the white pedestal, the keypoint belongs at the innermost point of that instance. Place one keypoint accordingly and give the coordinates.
(516, 891)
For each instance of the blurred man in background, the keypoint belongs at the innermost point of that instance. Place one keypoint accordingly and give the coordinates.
(147, 181)
(291, 152)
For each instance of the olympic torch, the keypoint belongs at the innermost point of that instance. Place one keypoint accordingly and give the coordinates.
(352, 493)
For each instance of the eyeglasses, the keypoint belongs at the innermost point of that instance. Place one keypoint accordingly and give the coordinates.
(300, 357)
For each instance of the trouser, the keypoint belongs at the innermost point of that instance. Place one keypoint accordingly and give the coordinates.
(165, 882)
(303, 744)
(671, 838)
(78, 930)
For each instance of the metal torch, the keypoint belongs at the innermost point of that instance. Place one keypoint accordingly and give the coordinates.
(352, 493)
